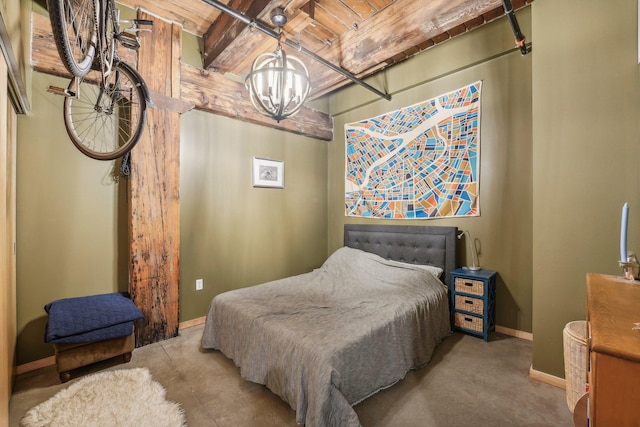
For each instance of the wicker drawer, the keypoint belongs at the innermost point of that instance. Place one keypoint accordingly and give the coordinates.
(467, 321)
(469, 286)
(473, 301)
(473, 305)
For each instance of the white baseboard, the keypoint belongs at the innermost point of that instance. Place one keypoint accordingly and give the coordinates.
(536, 375)
(192, 322)
(514, 333)
(541, 376)
(51, 360)
(36, 364)
(547, 378)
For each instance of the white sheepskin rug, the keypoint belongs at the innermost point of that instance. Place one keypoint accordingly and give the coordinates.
(126, 397)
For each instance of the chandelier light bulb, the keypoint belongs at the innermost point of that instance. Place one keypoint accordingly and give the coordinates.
(278, 84)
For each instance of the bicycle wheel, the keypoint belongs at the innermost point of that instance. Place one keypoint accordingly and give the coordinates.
(73, 23)
(105, 123)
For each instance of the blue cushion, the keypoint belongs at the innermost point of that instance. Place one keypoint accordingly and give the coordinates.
(110, 332)
(71, 319)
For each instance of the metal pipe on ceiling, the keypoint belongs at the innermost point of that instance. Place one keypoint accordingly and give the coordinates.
(520, 38)
(268, 31)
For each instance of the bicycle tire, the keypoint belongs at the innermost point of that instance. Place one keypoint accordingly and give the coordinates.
(106, 124)
(73, 23)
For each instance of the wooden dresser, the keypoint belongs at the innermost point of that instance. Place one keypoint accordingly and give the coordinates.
(613, 306)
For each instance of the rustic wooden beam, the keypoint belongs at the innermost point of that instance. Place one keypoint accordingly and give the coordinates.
(216, 94)
(326, 81)
(226, 28)
(44, 55)
(165, 102)
(406, 24)
(195, 16)
(154, 191)
(395, 32)
(235, 56)
(310, 9)
(333, 29)
(207, 91)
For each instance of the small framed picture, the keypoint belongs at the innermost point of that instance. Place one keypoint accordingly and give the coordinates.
(268, 173)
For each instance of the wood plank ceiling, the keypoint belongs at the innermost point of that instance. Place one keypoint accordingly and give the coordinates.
(361, 36)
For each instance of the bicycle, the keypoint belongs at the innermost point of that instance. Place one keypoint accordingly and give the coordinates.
(105, 103)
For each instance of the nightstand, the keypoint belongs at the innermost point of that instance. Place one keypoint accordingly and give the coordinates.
(473, 301)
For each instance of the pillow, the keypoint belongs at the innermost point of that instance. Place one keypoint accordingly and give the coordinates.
(435, 271)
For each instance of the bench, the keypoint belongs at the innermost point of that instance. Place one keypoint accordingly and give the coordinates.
(85, 330)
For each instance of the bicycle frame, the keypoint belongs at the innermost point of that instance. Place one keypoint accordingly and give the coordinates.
(107, 119)
(108, 10)
(107, 51)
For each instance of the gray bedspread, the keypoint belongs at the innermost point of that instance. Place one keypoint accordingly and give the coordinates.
(325, 340)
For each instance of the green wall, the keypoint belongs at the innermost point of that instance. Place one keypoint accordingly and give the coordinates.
(504, 227)
(72, 217)
(586, 153)
(232, 234)
(67, 219)
(558, 159)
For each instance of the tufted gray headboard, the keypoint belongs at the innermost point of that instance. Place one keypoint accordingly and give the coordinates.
(407, 243)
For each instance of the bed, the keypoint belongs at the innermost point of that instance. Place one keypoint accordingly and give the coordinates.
(326, 340)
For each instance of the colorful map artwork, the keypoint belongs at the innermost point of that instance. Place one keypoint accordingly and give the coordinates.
(418, 162)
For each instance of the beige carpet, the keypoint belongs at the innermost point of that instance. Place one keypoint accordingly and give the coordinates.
(125, 397)
(469, 383)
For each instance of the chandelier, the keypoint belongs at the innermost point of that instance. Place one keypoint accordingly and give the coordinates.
(278, 83)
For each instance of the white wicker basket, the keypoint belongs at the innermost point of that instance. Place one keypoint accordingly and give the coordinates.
(575, 361)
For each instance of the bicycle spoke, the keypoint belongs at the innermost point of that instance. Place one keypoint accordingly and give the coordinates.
(106, 121)
(78, 22)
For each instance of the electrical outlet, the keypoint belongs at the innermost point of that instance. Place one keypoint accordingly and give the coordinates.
(199, 284)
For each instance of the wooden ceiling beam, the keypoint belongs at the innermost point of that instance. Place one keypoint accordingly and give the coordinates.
(360, 36)
(44, 55)
(207, 91)
(235, 54)
(225, 29)
(213, 93)
(194, 16)
(325, 81)
(404, 25)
